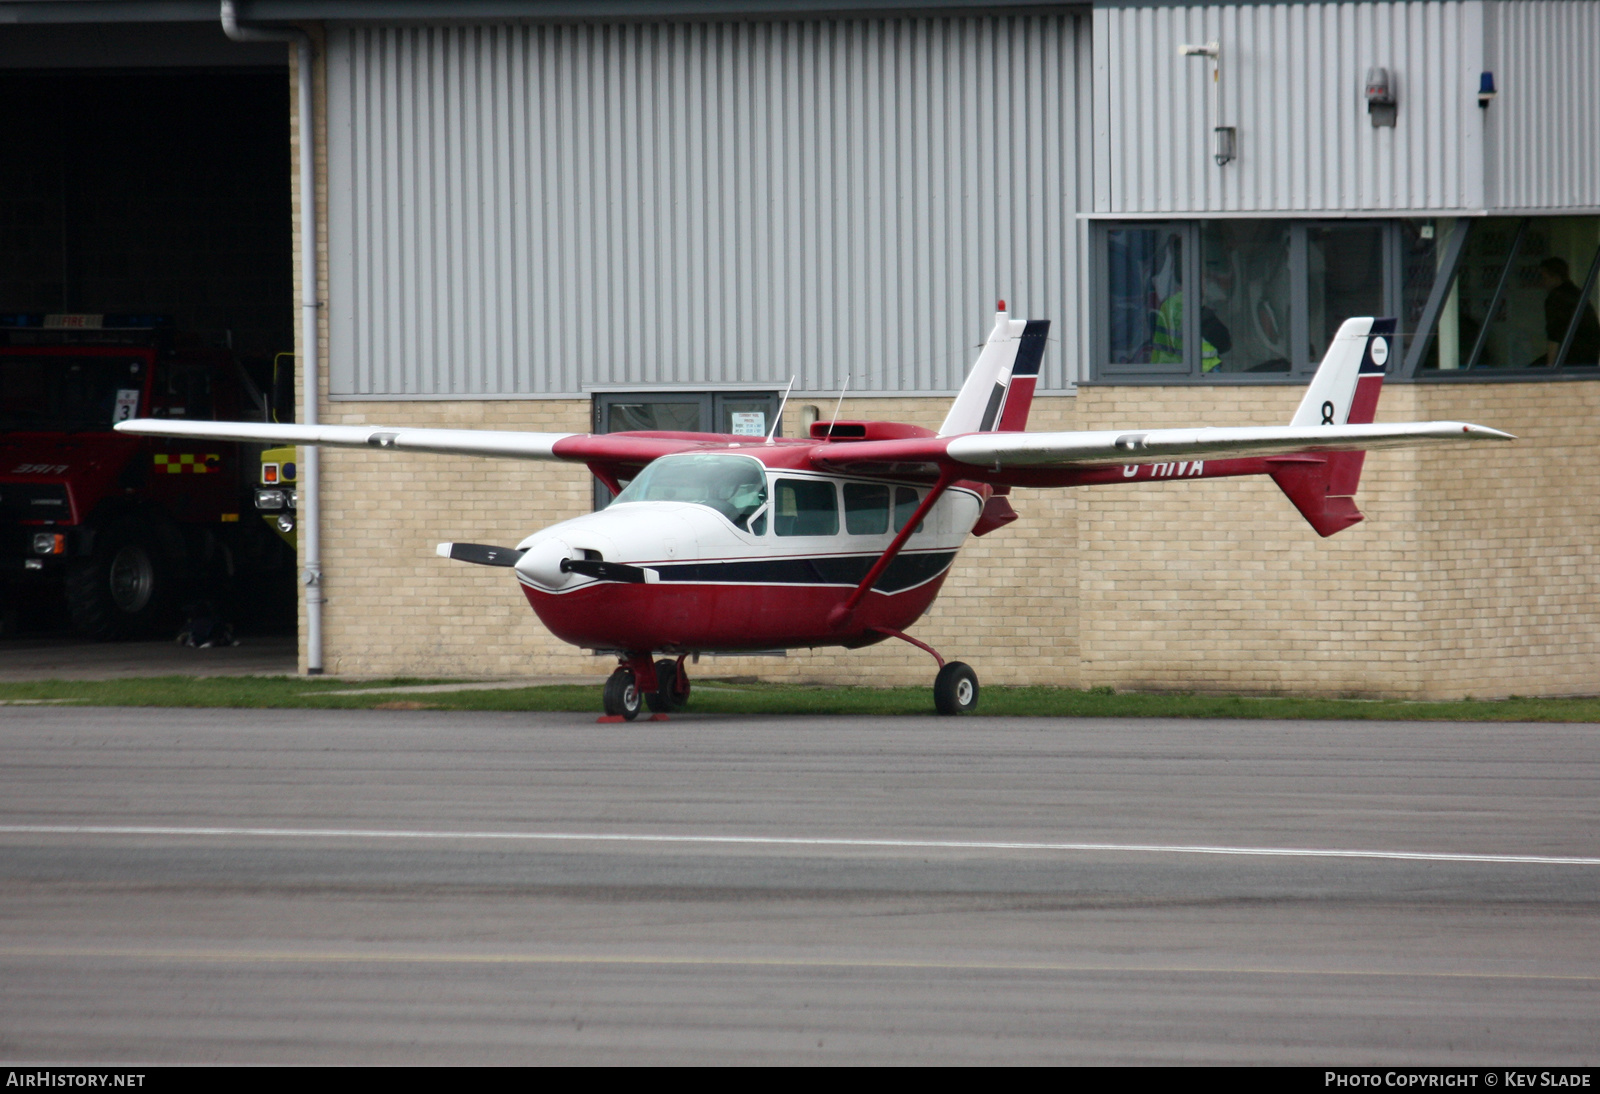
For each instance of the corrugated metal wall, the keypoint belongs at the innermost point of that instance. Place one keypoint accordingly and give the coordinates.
(1547, 146)
(1292, 80)
(534, 210)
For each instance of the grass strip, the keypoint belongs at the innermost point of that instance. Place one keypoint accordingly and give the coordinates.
(297, 692)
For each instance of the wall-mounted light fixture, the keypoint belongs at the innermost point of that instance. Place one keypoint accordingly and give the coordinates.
(1486, 89)
(1224, 138)
(1381, 106)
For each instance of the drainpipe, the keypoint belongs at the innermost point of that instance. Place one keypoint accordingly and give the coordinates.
(310, 502)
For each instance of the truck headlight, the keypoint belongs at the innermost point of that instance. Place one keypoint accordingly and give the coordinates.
(294, 499)
(49, 543)
(285, 523)
(269, 499)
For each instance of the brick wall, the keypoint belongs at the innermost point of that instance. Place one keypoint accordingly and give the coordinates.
(1471, 575)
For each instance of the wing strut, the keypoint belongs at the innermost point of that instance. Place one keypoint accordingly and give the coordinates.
(839, 618)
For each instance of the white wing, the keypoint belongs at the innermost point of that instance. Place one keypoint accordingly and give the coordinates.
(1111, 447)
(461, 442)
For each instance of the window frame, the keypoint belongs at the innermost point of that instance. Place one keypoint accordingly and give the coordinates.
(1469, 370)
(1190, 231)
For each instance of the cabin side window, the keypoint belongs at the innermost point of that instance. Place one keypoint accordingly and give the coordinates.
(905, 507)
(866, 509)
(805, 507)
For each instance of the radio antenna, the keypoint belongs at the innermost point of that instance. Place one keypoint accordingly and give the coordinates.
(839, 404)
(778, 420)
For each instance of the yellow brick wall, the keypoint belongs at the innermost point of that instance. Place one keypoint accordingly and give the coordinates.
(1508, 539)
(1221, 585)
(1471, 575)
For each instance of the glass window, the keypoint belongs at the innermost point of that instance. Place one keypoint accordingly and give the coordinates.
(1421, 245)
(735, 486)
(866, 509)
(805, 507)
(1145, 284)
(906, 501)
(66, 393)
(1522, 289)
(1482, 302)
(655, 415)
(745, 417)
(1556, 255)
(1344, 277)
(1244, 318)
(1480, 293)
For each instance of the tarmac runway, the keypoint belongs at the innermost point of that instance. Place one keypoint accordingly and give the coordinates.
(430, 887)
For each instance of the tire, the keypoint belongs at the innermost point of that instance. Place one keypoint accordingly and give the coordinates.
(955, 689)
(622, 695)
(668, 697)
(125, 588)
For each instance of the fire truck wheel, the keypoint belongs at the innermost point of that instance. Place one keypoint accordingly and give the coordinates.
(124, 588)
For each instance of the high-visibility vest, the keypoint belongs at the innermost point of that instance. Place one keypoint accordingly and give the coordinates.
(1166, 343)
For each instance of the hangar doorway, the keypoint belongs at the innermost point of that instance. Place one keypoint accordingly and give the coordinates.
(161, 193)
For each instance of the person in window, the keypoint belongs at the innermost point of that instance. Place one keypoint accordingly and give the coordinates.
(1562, 299)
(1167, 341)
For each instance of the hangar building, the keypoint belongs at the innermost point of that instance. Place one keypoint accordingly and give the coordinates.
(572, 216)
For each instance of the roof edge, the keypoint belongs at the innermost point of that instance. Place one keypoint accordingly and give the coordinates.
(296, 11)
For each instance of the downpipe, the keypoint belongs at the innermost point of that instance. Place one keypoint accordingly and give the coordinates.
(310, 507)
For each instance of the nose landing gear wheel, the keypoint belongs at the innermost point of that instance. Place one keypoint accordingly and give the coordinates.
(955, 689)
(621, 696)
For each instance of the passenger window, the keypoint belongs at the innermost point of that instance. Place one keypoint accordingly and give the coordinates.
(866, 509)
(806, 507)
(905, 504)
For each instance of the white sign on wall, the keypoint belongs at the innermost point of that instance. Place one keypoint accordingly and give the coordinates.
(750, 423)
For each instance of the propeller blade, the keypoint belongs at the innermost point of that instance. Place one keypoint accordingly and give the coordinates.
(480, 553)
(606, 571)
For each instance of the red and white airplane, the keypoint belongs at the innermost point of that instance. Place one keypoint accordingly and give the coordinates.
(721, 543)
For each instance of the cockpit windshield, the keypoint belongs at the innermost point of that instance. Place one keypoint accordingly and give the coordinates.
(735, 486)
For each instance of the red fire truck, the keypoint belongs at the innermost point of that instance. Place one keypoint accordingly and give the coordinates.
(128, 532)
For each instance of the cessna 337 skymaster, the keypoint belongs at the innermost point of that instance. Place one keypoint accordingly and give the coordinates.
(727, 543)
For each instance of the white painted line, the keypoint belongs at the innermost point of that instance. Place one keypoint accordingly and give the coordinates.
(785, 841)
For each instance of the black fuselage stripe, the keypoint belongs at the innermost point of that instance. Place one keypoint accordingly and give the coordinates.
(904, 572)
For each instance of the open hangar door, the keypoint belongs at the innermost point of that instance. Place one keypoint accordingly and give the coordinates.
(148, 192)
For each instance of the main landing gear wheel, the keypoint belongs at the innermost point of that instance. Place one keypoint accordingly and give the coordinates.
(622, 695)
(672, 688)
(955, 689)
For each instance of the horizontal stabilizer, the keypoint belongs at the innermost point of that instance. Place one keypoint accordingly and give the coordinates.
(480, 553)
(1307, 482)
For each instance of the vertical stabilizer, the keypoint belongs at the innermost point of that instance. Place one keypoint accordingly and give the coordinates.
(999, 389)
(1345, 389)
(1343, 392)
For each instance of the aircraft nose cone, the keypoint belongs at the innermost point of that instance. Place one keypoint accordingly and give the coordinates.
(542, 564)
